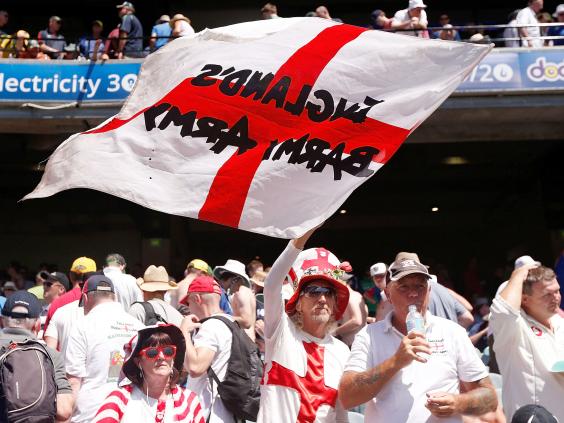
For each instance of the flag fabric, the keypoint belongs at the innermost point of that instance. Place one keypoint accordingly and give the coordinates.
(265, 126)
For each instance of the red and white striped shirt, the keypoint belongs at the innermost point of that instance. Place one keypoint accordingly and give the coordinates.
(129, 404)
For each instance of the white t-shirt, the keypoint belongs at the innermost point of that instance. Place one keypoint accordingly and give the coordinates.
(402, 16)
(297, 362)
(403, 398)
(525, 351)
(127, 291)
(62, 323)
(216, 336)
(95, 354)
(527, 16)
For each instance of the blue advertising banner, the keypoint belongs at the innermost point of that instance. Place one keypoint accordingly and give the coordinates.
(60, 81)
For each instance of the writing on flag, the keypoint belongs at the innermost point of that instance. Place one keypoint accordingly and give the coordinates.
(267, 140)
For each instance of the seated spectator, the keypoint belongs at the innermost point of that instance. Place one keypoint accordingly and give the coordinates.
(447, 33)
(51, 42)
(3, 21)
(92, 46)
(152, 365)
(413, 19)
(378, 20)
(323, 12)
(130, 33)
(20, 320)
(269, 11)
(70, 52)
(557, 31)
(160, 34)
(33, 51)
(112, 43)
(180, 26)
(529, 339)
(511, 31)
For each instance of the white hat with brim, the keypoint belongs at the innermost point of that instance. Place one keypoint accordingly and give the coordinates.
(415, 4)
(559, 10)
(231, 266)
(156, 279)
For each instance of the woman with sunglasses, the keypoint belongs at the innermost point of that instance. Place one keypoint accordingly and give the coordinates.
(150, 394)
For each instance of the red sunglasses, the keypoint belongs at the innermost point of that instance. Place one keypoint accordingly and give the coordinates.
(152, 353)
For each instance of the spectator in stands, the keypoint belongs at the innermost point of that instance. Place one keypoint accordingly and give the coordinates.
(529, 339)
(51, 42)
(511, 30)
(269, 11)
(3, 21)
(55, 285)
(209, 347)
(448, 33)
(20, 321)
(127, 291)
(194, 269)
(558, 31)
(354, 318)
(95, 350)
(14, 46)
(530, 35)
(112, 43)
(447, 304)
(130, 33)
(378, 20)
(234, 280)
(180, 26)
(378, 275)
(255, 265)
(421, 371)
(154, 284)
(160, 34)
(70, 52)
(9, 288)
(413, 19)
(80, 270)
(92, 46)
(17, 271)
(545, 18)
(323, 12)
(479, 330)
(153, 365)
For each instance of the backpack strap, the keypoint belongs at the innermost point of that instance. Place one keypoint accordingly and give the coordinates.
(150, 313)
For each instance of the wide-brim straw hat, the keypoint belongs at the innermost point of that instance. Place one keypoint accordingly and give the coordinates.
(156, 279)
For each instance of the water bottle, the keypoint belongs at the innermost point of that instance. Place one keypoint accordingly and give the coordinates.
(414, 320)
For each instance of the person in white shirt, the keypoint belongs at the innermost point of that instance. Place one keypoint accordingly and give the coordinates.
(95, 350)
(210, 346)
(529, 339)
(127, 291)
(530, 35)
(418, 376)
(414, 19)
(181, 27)
(303, 361)
(154, 284)
(58, 332)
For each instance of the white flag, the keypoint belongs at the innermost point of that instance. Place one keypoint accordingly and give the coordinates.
(265, 126)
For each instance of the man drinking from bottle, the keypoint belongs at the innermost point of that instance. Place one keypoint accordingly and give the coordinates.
(429, 373)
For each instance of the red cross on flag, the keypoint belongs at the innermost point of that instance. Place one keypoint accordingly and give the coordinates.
(264, 126)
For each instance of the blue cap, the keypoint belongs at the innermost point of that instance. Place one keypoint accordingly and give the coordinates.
(22, 299)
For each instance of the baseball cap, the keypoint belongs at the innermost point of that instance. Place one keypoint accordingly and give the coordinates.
(55, 18)
(559, 10)
(83, 265)
(378, 269)
(199, 264)
(61, 278)
(22, 299)
(524, 261)
(414, 4)
(125, 4)
(10, 285)
(533, 413)
(407, 264)
(204, 284)
(96, 283)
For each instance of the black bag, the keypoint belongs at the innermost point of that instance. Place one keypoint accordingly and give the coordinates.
(28, 391)
(151, 316)
(240, 390)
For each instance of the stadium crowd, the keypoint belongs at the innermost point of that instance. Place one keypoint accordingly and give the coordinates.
(130, 40)
(294, 342)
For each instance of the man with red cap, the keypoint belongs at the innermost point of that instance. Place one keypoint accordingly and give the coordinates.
(304, 363)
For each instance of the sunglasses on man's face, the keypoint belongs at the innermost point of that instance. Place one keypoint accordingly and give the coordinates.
(152, 353)
(315, 291)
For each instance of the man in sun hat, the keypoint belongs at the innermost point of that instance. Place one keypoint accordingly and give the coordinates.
(180, 26)
(95, 352)
(154, 284)
(194, 268)
(303, 360)
(234, 280)
(425, 369)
